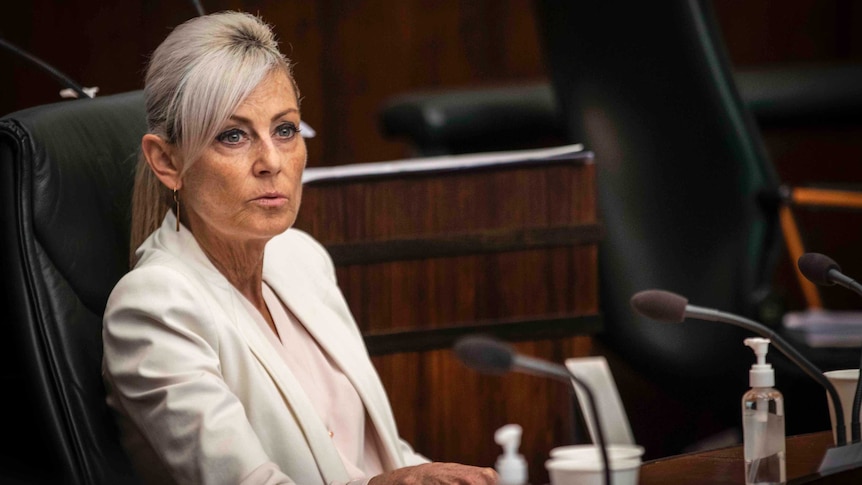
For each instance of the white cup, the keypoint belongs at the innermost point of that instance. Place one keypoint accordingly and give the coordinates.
(591, 452)
(845, 383)
(587, 471)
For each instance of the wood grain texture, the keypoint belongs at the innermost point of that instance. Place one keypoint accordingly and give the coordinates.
(726, 466)
(476, 285)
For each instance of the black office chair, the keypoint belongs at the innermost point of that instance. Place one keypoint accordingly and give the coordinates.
(681, 177)
(66, 171)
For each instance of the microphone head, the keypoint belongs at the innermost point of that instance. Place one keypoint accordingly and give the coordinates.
(816, 267)
(660, 305)
(484, 354)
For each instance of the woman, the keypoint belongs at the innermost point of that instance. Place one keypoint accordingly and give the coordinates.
(230, 354)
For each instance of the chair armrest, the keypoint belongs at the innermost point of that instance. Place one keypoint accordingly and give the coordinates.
(447, 121)
(808, 95)
(437, 123)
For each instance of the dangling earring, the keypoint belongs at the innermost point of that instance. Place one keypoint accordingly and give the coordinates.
(177, 204)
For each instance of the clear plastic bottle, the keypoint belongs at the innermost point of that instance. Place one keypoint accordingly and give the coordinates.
(511, 466)
(763, 422)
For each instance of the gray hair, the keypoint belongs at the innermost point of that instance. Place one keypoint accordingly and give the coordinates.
(197, 77)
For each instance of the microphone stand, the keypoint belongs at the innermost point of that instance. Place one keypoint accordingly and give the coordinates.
(59, 76)
(823, 271)
(836, 276)
(539, 367)
(488, 355)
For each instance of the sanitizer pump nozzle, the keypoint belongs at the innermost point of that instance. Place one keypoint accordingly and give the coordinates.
(761, 373)
(511, 466)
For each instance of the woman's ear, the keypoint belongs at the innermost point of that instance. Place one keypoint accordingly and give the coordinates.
(163, 160)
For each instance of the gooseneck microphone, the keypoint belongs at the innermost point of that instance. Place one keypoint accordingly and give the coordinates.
(667, 307)
(490, 356)
(822, 270)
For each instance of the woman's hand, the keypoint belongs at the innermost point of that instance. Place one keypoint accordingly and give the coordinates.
(437, 474)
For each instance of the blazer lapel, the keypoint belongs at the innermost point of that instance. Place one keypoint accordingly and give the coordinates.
(330, 325)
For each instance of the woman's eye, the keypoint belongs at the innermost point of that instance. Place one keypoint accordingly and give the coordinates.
(287, 130)
(231, 137)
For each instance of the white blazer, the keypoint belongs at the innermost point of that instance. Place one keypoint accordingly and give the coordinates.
(200, 393)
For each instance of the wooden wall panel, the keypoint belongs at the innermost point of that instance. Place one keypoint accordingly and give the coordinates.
(473, 211)
(767, 32)
(350, 55)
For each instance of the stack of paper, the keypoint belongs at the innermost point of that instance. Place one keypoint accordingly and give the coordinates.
(827, 328)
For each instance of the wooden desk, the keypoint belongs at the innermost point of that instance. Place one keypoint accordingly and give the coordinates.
(424, 257)
(726, 466)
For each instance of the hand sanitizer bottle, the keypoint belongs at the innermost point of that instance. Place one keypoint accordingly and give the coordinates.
(511, 467)
(763, 421)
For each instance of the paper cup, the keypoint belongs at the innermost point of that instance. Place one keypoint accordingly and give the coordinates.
(591, 452)
(584, 471)
(845, 383)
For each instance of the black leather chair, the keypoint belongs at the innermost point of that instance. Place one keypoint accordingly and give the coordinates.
(66, 171)
(681, 177)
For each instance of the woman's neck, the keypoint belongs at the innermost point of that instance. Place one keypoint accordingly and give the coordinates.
(242, 264)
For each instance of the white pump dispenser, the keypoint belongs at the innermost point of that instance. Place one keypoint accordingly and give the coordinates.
(761, 373)
(511, 466)
(763, 421)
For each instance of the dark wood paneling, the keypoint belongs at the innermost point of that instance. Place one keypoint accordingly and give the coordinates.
(463, 244)
(350, 55)
(773, 31)
(523, 281)
(414, 339)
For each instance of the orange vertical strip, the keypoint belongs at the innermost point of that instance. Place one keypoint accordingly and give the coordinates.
(794, 248)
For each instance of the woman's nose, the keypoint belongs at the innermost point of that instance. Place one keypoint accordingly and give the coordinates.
(268, 159)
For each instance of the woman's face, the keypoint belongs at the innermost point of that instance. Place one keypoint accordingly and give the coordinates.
(247, 184)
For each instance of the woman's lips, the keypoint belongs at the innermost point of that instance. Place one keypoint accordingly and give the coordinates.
(271, 200)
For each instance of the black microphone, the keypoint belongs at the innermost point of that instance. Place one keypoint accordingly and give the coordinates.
(491, 356)
(667, 307)
(822, 270)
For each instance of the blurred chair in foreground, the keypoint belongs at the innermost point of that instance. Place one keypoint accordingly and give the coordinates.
(680, 167)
